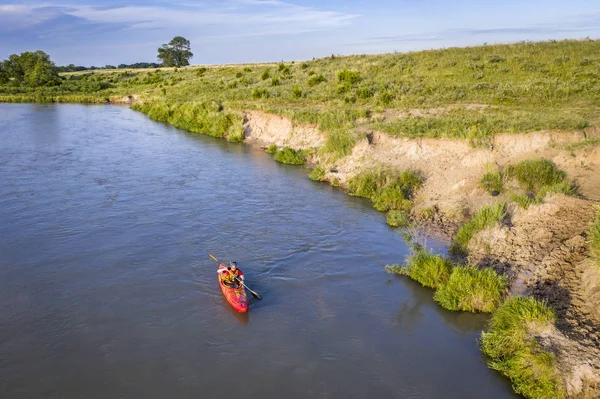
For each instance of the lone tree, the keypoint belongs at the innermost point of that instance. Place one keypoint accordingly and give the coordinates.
(30, 68)
(177, 53)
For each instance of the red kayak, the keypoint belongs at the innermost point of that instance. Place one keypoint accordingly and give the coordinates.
(235, 296)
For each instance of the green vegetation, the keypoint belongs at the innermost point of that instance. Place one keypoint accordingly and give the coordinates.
(519, 88)
(485, 217)
(398, 218)
(491, 181)
(538, 177)
(429, 270)
(317, 174)
(464, 288)
(205, 118)
(176, 53)
(29, 69)
(290, 156)
(595, 236)
(271, 149)
(472, 290)
(585, 143)
(388, 190)
(513, 350)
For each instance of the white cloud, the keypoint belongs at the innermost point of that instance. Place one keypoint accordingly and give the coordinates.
(246, 17)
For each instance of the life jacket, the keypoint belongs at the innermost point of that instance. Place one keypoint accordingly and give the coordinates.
(230, 277)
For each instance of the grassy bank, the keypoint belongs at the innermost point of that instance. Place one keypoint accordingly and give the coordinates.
(457, 287)
(517, 88)
(513, 350)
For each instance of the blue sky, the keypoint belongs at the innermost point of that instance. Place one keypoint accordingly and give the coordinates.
(95, 32)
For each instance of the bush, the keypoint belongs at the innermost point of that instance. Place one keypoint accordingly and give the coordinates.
(239, 75)
(491, 181)
(386, 98)
(290, 156)
(472, 290)
(315, 80)
(364, 93)
(296, 92)
(388, 190)
(275, 81)
(317, 174)
(484, 217)
(595, 236)
(513, 351)
(534, 174)
(398, 219)
(265, 75)
(350, 77)
(260, 93)
(271, 149)
(429, 270)
(236, 133)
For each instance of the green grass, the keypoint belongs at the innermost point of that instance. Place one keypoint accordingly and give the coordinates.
(525, 86)
(537, 178)
(533, 174)
(388, 190)
(485, 217)
(585, 143)
(317, 174)
(271, 149)
(513, 351)
(492, 181)
(429, 270)
(595, 236)
(472, 290)
(206, 118)
(398, 218)
(290, 156)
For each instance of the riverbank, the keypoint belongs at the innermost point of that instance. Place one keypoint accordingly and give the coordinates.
(442, 119)
(543, 250)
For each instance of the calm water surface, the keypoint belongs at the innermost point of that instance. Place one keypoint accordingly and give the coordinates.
(106, 290)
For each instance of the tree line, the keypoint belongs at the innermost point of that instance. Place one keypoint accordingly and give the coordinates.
(34, 68)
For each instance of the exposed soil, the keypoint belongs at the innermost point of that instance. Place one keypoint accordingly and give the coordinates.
(542, 250)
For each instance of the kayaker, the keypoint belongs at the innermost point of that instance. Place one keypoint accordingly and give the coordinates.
(231, 275)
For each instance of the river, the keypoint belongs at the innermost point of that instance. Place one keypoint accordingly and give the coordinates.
(106, 290)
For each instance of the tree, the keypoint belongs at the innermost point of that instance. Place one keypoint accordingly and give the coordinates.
(176, 53)
(31, 68)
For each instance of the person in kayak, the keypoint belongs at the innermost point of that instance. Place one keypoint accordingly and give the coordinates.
(230, 275)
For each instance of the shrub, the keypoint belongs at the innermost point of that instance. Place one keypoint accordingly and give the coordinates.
(271, 149)
(281, 66)
(595, 236)
(484, 217)
(533, 174)
(236, 133)
(386, 98)
(317, 174)
(429, 270)
(315, 80)
(239, 75)
(265, 75)
(513, 351)
(387, 190)
(200, 71)
(304, 65)
(491, 181)
(260, 93)
(290, 156)
(472, 290)
(364, 93)
(247, 69)
(275, 81)
(350, 77)
(398, 218)
(296, 92)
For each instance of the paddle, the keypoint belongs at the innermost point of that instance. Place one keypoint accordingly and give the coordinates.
(254, 294)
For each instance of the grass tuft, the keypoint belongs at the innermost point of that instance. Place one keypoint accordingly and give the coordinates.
(388, 190)
(317, 174)
(533, 174)
(271, 149)
(429, 270)
(513, 351)
(491, 181)
(398, 218)
(471, 289)
(484, 217)
(290, 156)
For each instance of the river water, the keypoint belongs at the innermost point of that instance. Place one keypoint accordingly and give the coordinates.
(106, 290)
